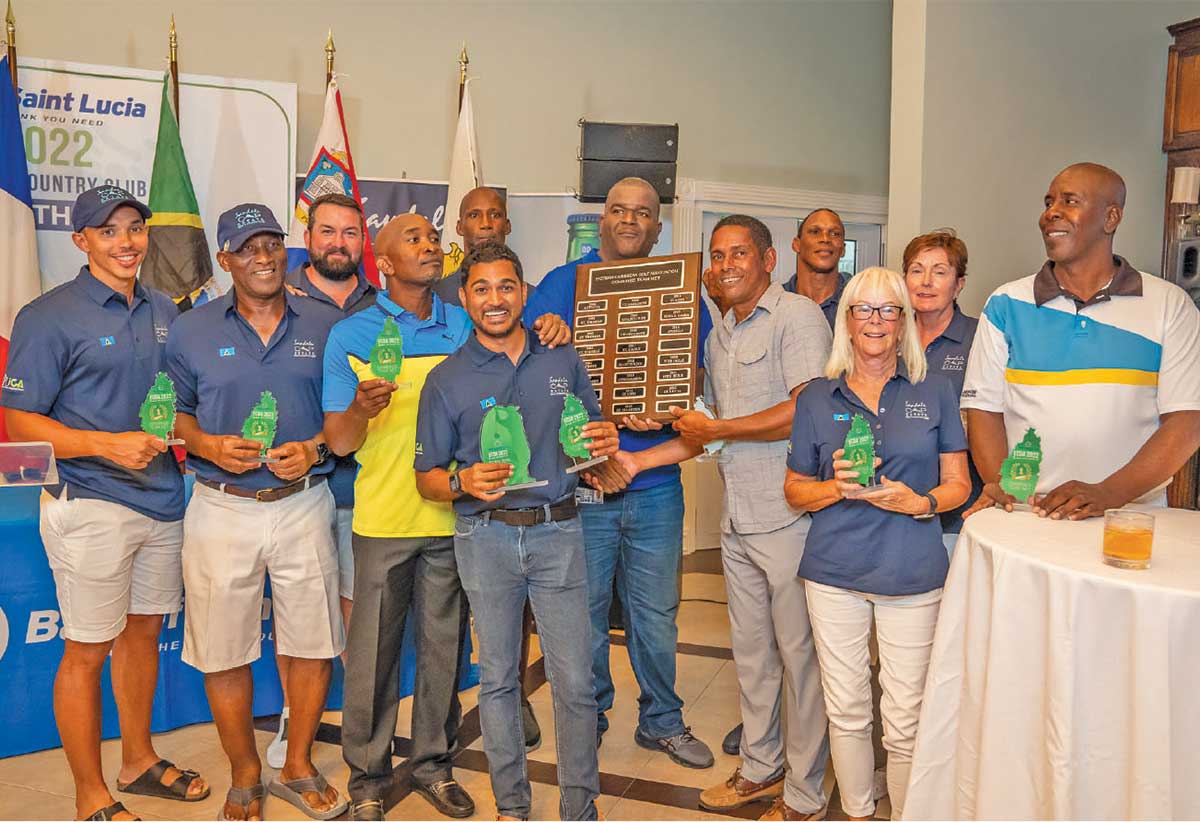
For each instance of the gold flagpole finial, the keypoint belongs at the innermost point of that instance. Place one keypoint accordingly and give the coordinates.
(173, 42)
(330, 50)
(463, 62)
(10, 27)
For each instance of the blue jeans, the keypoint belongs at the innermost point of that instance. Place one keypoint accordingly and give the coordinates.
(500, 566)
(638, 539)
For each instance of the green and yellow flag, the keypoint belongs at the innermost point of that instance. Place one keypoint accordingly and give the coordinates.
(177, 261)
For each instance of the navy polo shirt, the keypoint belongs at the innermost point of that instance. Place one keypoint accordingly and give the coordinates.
(458, 393)
(830, 306)
(83, 356)
(852, 544)
(947, 355)
(556, 295)
(363, 296)
(221, 367)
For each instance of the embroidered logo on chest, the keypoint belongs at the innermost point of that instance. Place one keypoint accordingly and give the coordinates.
(304, 348)
(559, 386)
(954, 362)
(160, 333)
(915, 411)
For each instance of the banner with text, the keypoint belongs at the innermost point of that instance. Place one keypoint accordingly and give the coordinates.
(87, 125)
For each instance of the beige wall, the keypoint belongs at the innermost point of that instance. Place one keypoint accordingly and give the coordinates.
(1013, 92)
(769, 93)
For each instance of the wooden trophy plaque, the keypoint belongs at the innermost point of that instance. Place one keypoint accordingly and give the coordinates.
(637, 327)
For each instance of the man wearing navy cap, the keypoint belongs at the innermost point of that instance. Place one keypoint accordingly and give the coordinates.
(518, 544)
(257, 348)
(83, 357)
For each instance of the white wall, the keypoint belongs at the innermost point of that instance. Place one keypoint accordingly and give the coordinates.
(771, 93)
(1015, 91)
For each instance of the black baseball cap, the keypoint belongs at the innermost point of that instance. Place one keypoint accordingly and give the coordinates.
(93, 207)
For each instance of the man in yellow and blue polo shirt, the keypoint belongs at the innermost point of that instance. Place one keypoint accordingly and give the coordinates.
(403, 544)
(1102, 360)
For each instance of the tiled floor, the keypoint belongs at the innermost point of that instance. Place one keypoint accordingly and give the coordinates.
(635, 783)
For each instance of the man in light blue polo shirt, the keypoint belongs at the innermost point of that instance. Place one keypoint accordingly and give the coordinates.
(635, 537)
(255, 350)
(83, 357)
(517, 544)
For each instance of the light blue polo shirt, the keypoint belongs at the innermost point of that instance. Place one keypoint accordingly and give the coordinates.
(83, 356)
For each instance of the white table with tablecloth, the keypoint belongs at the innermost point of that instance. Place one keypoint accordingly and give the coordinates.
(1060, 687)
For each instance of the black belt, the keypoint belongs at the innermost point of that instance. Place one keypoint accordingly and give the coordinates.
(567, 509)
(265, 494)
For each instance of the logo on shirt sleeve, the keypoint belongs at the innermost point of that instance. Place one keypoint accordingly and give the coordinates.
(488, 403)
(968, 394)
(105, 342)
(13, 384)
(225, 352)
(841, 418)
(420, 448)
(915, 411)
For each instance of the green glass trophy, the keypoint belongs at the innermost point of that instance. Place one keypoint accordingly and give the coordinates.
(158, 410)
(1019, 471)
(261, 425)
(860, 450)
(502, 439)
(387, 354)
(570, 435)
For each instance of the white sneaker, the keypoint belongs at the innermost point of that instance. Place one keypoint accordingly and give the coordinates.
(879, 787)
(277, 750)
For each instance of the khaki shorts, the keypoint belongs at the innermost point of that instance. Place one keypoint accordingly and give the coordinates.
(230, 544)
(109, 561)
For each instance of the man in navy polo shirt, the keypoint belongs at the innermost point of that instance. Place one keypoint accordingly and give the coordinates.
(819, 244)
(635, 537)
(258, 347)
(334, 241)
(83, 357)
(524, 543)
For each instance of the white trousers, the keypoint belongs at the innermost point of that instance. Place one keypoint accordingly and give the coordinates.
(841, 626)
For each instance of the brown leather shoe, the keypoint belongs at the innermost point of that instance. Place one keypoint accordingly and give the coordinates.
(780, 810)
(737, 791)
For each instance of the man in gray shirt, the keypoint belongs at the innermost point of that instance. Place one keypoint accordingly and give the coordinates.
(758, 358)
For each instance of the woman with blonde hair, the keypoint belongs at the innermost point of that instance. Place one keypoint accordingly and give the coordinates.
(875, 553)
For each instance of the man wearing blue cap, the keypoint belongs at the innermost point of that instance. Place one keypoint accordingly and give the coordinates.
(82, 358)
(250, 364)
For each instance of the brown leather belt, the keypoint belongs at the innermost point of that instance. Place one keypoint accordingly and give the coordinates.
(265, 494)
(567, 509)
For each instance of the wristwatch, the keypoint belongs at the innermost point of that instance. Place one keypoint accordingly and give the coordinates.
(455, 482)
(323, 453)
(933, 507)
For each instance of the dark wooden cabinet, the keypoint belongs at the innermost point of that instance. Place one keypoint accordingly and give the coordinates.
(1181, 142)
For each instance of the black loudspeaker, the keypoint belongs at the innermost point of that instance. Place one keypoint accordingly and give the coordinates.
(609, 152)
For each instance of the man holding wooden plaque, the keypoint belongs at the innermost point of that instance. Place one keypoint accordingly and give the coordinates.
(636, 536)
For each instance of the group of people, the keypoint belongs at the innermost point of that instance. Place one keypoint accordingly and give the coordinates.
(375, 501)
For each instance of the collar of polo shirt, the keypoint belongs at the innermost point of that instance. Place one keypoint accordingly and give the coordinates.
(1126, 282)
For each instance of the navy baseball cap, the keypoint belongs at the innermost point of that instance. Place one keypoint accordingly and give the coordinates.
(93, 207)
(242, 222)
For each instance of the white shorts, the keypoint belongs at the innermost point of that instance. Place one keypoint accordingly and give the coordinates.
(109, 561)
(229, 546)
(342, 533)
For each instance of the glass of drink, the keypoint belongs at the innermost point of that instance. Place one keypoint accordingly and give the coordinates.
(1128, 536)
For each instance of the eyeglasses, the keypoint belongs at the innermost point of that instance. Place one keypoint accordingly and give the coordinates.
(887, 313)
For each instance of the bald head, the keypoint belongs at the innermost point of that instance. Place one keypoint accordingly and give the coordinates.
(483, 218)
(1101, 179)
(1083, 207)
(630, 226)
(409, 248)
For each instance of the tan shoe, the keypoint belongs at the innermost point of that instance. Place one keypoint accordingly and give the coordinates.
(780, 810)
(737, 791)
